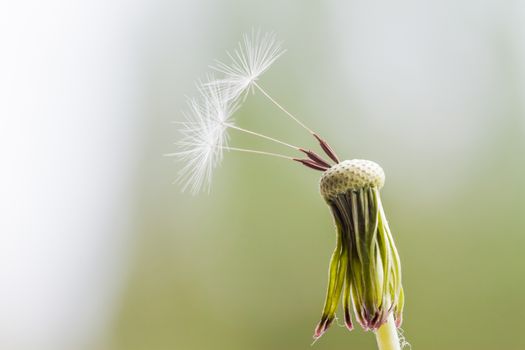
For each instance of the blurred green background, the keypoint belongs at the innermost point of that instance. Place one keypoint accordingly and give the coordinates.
(433, 91)
(430, 91)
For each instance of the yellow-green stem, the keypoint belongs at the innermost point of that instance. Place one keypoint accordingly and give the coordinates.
(386, 336)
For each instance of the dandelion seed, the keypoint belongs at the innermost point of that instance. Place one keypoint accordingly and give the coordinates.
(254, 55)
(204, 136)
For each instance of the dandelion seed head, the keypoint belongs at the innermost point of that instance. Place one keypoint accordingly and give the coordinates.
(253, 56)
(204, 136)
(351, 174)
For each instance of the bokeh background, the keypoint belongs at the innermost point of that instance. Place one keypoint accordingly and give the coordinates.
(99, 250)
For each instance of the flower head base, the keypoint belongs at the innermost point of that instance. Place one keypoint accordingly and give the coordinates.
(365, 266)
(351, 174)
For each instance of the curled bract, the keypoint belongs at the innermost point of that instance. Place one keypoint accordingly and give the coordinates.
(365, 269)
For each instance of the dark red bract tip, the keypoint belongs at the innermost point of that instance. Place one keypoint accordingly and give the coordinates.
(327, 149)
(315, 157)
(322, 327)
(311, 164)
(348, 320)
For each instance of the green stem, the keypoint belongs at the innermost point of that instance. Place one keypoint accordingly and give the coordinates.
(386, 336)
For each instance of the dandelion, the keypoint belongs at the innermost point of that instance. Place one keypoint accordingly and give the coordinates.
(364, 270)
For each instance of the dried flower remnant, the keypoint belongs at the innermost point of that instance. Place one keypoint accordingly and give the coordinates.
(365, 270)
(365, 265)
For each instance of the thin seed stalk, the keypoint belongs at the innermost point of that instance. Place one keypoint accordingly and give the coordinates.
(387, 337)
